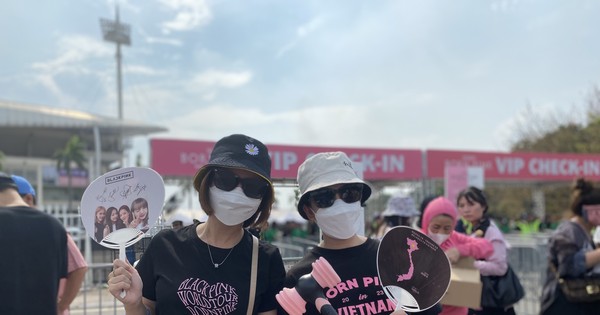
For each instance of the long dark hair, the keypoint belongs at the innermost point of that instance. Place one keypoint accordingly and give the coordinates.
(475, 195)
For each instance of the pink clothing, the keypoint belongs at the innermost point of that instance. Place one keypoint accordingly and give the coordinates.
(76, 261)
(496, 264)
(477, 248)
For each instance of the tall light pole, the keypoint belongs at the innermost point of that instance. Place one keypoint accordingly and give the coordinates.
(118, 33)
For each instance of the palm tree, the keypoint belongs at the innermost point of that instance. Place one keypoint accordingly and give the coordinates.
(71, 154)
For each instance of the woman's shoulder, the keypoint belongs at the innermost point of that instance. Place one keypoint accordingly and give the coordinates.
(568, 232)
(264, 247)
(493, 232)
(372, 243)
(179, 235)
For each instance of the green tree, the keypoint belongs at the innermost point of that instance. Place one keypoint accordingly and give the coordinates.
(560, 133)
(1, 159)
(66, 158)
(574, 132)
(138, 160)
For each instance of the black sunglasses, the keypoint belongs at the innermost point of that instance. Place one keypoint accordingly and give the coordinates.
(325, 197)
(226, 180)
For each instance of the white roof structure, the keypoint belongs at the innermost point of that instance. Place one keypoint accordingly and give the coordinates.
(37, 131)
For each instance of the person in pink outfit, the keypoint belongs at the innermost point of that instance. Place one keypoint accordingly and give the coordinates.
(439, 220)
(76, 265)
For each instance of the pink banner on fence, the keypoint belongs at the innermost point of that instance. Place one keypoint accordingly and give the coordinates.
(517, 166)
(455, 180)
(185, 157)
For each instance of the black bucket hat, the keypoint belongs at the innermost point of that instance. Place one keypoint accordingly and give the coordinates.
(238, 151)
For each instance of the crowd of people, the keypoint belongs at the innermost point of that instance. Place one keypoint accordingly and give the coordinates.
(220, 266)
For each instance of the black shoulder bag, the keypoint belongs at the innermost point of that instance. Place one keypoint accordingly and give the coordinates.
(500, 291)
(579, 290)
(583, 289)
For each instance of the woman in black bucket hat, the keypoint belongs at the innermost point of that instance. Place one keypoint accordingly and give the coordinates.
(215, 267)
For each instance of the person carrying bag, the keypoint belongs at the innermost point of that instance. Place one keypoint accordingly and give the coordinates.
(501, 288)
(572, 285)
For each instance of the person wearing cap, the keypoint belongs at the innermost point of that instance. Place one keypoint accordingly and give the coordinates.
(400, 210)
(76, 264)
(34, 255)
(178, 220)
(207, 268)
(332, 196)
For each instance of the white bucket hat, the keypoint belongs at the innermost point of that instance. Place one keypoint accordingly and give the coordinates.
(326, 169)
(401, 205)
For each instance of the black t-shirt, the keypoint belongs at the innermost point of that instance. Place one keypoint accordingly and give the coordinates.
(359, 292)
(179, 276)
(34, 258)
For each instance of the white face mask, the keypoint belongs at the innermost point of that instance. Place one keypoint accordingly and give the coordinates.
(439, 238)
(232, 207)
(339, 221)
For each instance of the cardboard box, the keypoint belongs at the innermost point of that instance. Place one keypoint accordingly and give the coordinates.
(465, 285)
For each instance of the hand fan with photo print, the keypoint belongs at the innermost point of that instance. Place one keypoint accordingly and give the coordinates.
(119, 207)
(413, 270)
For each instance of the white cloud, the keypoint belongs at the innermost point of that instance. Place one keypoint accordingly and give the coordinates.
(166, 41)
(425, 98)
(283, 50)
(72, 51)
(215, 121)
(311, 26)
(49, 83)
(301, 32)
(504, 5)
(478, 69)
(332, 126)
(221, 79)
(143, 70)
(189, 15)
(158, 40)
(313, 125)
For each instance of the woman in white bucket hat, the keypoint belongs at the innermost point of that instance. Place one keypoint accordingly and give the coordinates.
(400, 210)
(332, 196)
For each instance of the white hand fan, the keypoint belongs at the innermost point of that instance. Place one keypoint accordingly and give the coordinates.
(119, 207)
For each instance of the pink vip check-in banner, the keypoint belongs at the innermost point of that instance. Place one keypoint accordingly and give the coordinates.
(185, 157)
(518, 166)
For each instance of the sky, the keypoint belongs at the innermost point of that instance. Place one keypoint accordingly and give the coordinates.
(459, 75)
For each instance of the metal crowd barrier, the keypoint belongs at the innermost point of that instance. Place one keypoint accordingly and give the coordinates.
(94, 298)
(527, 256)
